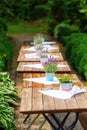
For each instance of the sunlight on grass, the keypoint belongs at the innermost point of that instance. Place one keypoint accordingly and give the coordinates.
(27, 27)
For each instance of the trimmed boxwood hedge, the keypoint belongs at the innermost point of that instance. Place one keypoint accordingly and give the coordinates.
(76, 51)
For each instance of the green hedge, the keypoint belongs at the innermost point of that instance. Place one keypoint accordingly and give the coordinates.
(6, 52)
(76, 51)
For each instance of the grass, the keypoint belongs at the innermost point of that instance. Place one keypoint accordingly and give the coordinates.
(22, 27)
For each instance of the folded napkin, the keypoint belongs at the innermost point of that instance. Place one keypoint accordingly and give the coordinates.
(54, 56)
(30, 49)
(48, 42)
(33, 66)
(33, 55)
(42, 80)
(40, 66)
(48, 47)
(63, 94)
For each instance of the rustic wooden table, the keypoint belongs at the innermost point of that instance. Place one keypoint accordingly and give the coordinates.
(48, 48)
(34, 102)
(33, 67)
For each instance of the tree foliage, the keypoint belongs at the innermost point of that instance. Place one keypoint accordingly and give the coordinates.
(23, 9)
(74, 12)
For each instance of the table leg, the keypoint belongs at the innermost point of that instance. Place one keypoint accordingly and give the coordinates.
(61, 123)
(26, 118)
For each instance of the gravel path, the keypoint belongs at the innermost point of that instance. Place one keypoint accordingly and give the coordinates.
(18, 40)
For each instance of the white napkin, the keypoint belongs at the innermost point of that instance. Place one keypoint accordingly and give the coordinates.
(33, 66)
(32, 55)
(30, 49)
(54, 56)
(48, 47)
(63, 94)
(40, 66)
(43, 80)
(48, 42)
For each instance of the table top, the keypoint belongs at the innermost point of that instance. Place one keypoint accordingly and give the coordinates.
(33, 67)
(34, 102)
(32, 57)
(48, 48)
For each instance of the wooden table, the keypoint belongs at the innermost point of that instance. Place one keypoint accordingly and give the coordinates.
(30, 49)
(27, 67)
(25, 57)
(34, 102)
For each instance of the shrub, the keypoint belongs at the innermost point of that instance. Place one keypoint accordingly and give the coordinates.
(51, 25)
(3, 26)
(62, 30)
(76, 51)
(6, 51)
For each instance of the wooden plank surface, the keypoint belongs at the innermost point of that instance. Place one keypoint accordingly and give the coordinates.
(45, 104)
(25, 67)
(23, 57)
(30, 49)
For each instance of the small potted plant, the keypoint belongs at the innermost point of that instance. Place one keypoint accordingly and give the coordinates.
(50, 68)
(44, 58)
(38, 50)
(65, 82)
(38, 39)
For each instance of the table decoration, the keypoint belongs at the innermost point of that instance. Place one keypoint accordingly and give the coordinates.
(38, 39)
(43, 80)
(48, 47)
(31, 55)
(48, 42)
(38, 50)
(65, 82)
(50, 68)
(38, 66)
(63, 94)
(44, 58)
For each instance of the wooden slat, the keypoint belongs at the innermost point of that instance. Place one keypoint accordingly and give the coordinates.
(26, 101)
(82, 101)
(71, 104)
(48, 101)
(37, 103)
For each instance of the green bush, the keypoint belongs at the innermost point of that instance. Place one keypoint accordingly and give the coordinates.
(2, 64)
(50, 26)
(76, 51)
(3, 26)
(6, 51)
(62, 30)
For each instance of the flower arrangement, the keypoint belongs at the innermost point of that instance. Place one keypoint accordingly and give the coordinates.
(38, 50)
(51, 65)
(64, 78)
(38, 39)
(44, 58)
(39, 47)
(65, 82)
(44, 55)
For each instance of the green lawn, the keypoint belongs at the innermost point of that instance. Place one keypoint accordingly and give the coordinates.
(27, 27)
